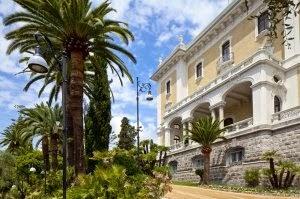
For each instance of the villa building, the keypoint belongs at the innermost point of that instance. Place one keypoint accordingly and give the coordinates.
(232, 72)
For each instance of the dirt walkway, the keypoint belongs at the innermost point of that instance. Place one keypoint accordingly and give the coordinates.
(185, 192)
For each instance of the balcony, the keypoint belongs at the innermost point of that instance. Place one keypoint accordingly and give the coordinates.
(244, 124)
(285, 115)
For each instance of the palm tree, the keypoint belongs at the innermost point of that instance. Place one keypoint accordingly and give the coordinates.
(41, 122)
(206, 131)
(80, 30)
(12, 137)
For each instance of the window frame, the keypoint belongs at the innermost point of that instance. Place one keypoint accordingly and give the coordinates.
(227, 43)
(265, 21)
(263, 33)
(196, 70)
(238, 154)
(279, 105)
(195, 162)
(168, 87)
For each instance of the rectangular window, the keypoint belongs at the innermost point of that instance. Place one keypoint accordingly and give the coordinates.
(236, 156)
(263, 22)
(168, 87)
(199, 70)
(226, 51)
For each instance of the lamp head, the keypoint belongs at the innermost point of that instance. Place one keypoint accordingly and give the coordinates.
(149, 96)
(32, 169)
(37, 63)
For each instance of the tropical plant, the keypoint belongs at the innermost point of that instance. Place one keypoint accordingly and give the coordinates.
(82, 32)
(252, 177)
(283, 177)
(12, 138)
(42, 121)
(206, 131)
(127, 135)
(148, 157)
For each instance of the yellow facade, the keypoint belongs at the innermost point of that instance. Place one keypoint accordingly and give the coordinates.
(173, 94)
(244, 43)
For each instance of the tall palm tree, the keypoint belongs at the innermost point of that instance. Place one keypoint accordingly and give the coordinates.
(41, 122)
(206, 131)
(80, 30)
(12, 137)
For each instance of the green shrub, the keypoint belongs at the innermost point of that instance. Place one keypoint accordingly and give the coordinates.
(200, 172)
(252, 177)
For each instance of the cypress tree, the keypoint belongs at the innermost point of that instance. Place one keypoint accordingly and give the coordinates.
(97, 120)
(127, 135)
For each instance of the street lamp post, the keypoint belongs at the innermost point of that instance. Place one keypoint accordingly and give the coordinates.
(38, 64)
(141, 88)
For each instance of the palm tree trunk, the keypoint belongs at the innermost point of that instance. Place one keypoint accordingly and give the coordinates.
(45, 150)
(206, 171)
(54, 150)
(76, 110)
(70, 143)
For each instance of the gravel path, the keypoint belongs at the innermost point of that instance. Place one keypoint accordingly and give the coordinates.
(186, 192)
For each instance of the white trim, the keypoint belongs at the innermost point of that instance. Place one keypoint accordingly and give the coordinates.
(202, 70)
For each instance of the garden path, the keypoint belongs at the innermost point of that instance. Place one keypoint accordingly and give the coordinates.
(187, 192)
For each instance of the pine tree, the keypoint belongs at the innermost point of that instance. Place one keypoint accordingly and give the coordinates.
(127, 135)
(97, 120)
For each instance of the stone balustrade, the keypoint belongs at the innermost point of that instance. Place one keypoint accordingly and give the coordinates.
(177, 146)
(239, 125)
(286, 114)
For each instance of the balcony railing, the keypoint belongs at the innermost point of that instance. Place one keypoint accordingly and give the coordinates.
(239, 125)
(286, 114)
(177, 146)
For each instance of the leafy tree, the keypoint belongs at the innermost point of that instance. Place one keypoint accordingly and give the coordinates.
(127, 135)
(206, 131)
(83, 32)
(7, 172)
(97, 120)
(42, 121)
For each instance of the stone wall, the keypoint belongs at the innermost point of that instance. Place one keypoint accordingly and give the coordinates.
(285, 140)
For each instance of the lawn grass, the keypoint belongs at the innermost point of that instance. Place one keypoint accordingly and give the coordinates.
(292, 192)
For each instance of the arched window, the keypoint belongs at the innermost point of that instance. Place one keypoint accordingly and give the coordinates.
(277, 104)
(176, 139)
(173, 166)
(235, 155)
(228, 121)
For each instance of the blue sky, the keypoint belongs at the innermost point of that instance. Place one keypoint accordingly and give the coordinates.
(156, 25)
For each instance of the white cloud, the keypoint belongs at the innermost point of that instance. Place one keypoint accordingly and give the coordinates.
(167, 19)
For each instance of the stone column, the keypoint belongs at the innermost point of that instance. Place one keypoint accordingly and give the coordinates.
(168, 137)
(213, 114)
(190, 128)
(262, 103)
(221, 115)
